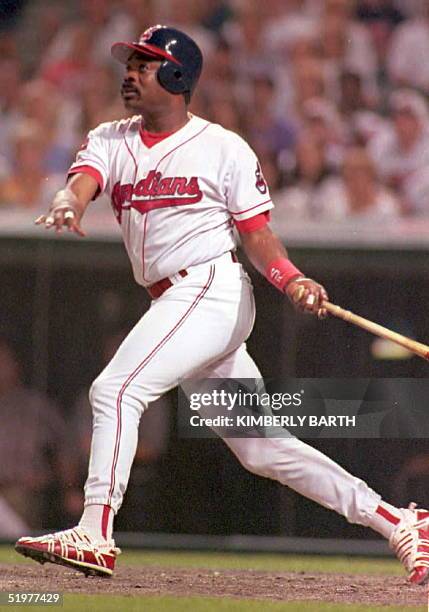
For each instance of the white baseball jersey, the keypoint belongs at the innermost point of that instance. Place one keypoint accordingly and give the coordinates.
(175, 201)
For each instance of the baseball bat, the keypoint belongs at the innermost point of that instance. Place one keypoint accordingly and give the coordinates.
(422, 350)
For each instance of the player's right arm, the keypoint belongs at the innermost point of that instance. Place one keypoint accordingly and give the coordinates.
(69, 204)
(88, 177)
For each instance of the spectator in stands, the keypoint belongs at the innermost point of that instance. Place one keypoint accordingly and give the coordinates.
(99, 18)
(309, 172)
(301, 77)
(358, 112)
(357, 194)
(70, 73)
(28, 186)
(50, 18)
(100, 101)
(367, 126)
(223, 110)
(187, 15)
(138, 16)
(245, 35)
(352, 99)
(409, 49)
(322, 122)
(215, 14)
(309, 81)
(267, 132)
(347, 45)
(10, 83)
(288, 23)
(380, 17)
(401, 152)
(32, 434)
(58, 118)
(218, 77)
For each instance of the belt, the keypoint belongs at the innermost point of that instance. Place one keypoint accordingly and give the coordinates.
(157, 289)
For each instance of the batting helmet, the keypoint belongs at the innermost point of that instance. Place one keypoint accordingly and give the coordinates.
(182, 58)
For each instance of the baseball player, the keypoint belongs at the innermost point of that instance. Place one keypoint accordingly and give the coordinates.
(179, 185)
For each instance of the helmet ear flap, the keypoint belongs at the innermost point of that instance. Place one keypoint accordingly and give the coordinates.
(173, 78)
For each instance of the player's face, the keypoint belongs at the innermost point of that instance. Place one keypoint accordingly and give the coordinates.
(140, 86)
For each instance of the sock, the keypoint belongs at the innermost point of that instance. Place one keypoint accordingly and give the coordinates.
(97, 520)
(385, 519)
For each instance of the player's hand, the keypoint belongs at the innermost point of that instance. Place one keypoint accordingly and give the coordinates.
(63, 213)
(307, 296)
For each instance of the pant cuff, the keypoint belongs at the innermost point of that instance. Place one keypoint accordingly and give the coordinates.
(103, 501)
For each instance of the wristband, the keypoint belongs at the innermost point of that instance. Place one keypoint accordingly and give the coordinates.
(280, 271)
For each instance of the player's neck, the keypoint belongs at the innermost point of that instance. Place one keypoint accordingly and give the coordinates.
(165, 122)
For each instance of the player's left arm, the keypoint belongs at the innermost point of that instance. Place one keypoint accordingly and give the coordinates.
(249, 203)
(266, 252)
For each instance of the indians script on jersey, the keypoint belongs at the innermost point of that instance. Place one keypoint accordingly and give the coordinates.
(156, 191)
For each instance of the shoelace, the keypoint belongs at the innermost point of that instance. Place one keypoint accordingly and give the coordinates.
(77, 538)
(407, 541)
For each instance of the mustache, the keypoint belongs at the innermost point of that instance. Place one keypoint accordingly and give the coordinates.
(127, 87)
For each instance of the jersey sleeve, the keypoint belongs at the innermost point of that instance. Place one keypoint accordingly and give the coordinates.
(247, 226)
(92, 158)
(247, 192)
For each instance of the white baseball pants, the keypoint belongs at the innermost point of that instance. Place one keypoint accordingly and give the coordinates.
(198, 327)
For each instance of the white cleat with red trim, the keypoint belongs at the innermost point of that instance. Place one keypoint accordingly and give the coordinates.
(73, 548)
(410, 541)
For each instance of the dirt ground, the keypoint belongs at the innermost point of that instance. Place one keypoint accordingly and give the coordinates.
(381, 590)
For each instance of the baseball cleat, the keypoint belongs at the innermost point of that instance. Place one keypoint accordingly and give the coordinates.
(73, 548)
(410, 541)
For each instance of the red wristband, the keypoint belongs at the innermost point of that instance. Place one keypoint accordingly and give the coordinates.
(280, 271)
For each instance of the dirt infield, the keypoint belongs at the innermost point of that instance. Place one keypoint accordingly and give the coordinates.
(248, 584)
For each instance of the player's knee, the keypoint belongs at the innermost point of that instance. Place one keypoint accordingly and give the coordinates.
(259, 464)
(106, 392)
(99, 391)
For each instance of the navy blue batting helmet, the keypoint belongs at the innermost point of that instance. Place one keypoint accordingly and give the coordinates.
(182, 58)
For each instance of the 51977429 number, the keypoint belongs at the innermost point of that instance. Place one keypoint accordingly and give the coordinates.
(28, 599)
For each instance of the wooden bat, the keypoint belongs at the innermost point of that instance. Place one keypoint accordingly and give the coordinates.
(374, 328)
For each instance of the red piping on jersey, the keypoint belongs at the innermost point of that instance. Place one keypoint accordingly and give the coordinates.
(251, 208)
(141, 366)
(133, 158)
(143, 246)
(119, 217)
(181, 144)
(156, 168)
(91, 171)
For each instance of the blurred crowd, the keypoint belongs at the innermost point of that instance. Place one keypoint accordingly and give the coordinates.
(331, 94)
(44, 452)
